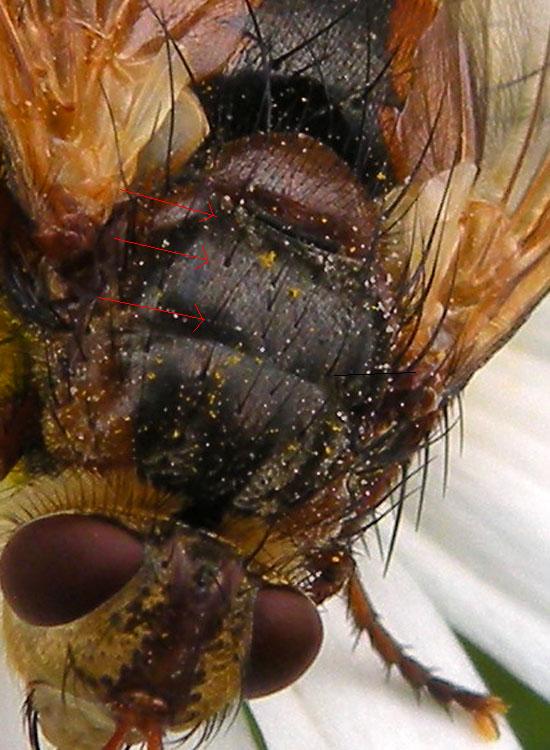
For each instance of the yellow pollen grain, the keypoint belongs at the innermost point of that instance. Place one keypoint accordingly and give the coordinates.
(151, 376)
(234, 359)
(381, 176)
(268, 259)
(294, 293)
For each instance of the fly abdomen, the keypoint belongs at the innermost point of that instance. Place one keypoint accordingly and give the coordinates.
(251, 411)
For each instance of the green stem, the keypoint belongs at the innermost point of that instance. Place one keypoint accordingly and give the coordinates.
(254, 727)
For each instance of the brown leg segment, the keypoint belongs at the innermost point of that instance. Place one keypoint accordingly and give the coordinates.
(118, 739)
(481, 707)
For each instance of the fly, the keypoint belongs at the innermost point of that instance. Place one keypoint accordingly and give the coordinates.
(172, 489)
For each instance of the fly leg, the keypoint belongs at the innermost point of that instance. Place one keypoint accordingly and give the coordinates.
(118, 739)
(153, 736)
(482, 707)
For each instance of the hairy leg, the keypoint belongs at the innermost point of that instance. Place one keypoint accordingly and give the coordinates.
(482, 707)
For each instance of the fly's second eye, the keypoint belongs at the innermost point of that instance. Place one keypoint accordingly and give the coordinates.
(59, 568)
(286, 637)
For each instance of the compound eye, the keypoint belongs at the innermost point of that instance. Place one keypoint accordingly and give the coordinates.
(57, 569)
(286, 637)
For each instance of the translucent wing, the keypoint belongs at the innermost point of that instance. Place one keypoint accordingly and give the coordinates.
(86, 101)
(469, 232)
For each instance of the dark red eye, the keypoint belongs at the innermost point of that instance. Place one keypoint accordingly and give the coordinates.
(59, 568)
(286, 637)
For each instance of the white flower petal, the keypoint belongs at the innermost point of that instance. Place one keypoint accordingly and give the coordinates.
(345, 701)
(11, 702)
(483, 552)
(237, 736)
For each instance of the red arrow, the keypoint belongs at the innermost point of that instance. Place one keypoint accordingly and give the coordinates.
(203, 257)
(209, 215)
(198, 317)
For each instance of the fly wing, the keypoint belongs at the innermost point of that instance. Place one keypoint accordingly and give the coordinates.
(469, 231)
(88, 90)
